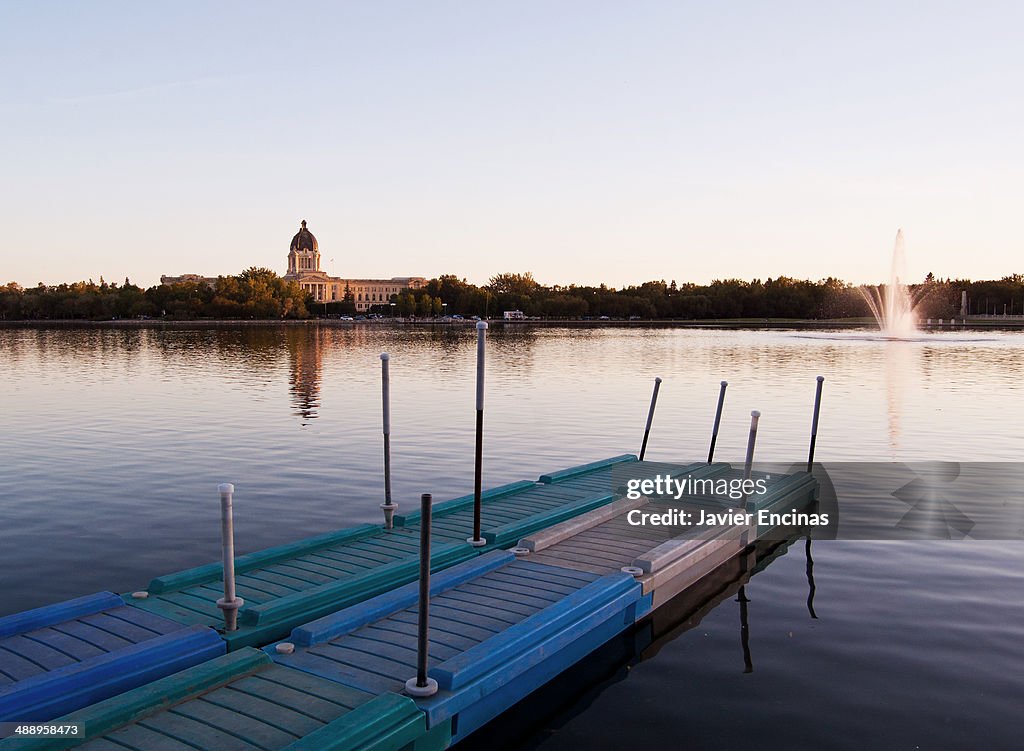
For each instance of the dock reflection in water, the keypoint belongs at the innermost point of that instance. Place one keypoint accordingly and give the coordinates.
(572, 694)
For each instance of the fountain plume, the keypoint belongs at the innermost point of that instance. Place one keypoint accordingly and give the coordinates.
(892, 304)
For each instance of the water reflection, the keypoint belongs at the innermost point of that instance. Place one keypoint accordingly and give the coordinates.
(810, 579)
(898, 360)
(305, 366)
(742, 599)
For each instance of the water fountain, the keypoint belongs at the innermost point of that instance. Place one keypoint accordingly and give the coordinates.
(892, 304)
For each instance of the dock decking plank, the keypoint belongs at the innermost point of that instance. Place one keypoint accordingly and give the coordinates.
(143, 619)
(100, 638)
(316, 707)
(143, 739)
(41, 655)
(69, 644)
(289, 719)
(389, 628)
(243, 721)
(199, 735)
(442, 625)
(345, 697)
(17, 666)
(128, 630)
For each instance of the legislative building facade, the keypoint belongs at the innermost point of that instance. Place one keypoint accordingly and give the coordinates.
(304, 268)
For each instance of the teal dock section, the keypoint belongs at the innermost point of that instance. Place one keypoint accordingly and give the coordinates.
(288, 585)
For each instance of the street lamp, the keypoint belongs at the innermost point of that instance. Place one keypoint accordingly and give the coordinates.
(444, 310)
(392, 310)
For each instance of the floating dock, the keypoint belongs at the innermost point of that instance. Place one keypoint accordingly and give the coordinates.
(502, 623)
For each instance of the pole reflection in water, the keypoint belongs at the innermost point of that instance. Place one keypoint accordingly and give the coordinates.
(748, 663)
(572, 692)
(810, 579)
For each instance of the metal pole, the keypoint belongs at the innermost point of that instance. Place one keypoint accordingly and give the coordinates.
(749, 506)
(422, 685)
(229, 603)
(814, 422)
(718, 421)
(650, 417)
(481, 337)
(385, 378)
(751, 438)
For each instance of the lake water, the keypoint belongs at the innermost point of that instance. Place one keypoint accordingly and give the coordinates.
(114, 440)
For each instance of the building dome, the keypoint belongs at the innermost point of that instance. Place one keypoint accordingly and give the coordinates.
(303, 240)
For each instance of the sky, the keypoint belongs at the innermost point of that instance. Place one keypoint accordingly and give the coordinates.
(586, 142)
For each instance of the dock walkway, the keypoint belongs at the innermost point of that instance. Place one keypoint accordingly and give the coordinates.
(502, 623)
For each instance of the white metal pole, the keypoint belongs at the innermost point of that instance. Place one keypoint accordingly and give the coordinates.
(751, 438)
(229, 604)
(388, 506)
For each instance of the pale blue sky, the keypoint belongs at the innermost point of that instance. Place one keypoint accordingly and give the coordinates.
(582, 141)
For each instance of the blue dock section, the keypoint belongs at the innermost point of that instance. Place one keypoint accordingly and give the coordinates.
(62, 657)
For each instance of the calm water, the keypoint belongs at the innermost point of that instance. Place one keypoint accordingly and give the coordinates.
(114, 441)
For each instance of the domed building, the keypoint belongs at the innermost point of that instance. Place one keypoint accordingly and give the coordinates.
(304, 253)
(304, 268)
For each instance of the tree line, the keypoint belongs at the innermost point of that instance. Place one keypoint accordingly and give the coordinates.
(261, 293)
(781, 297)
(255, 293)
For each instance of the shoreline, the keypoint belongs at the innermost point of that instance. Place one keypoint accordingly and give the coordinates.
(721, 323)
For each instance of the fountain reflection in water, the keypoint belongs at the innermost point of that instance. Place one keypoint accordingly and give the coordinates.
(892, 304)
